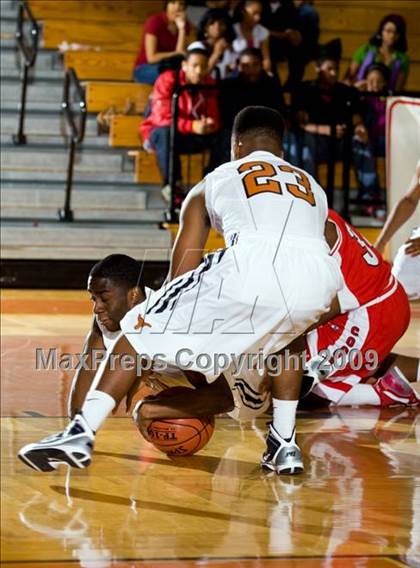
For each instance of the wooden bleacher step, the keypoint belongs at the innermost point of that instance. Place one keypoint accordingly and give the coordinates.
(103, 95)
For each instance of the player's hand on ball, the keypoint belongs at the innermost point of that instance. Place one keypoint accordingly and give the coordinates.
(143, 420)
(413, 247)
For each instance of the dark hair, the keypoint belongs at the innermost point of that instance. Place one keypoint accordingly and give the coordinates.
(215, 15)
(120, 269)
(381, 68)
(252, 52)
(240, 7)
(399, 22)
(259, 120)
(330, 51)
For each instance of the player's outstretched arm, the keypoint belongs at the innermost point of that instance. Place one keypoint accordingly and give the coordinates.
(192, 235)
(84, 376)
(205, 400)
(403, 210)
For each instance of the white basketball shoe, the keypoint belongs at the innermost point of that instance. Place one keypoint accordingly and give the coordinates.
(73, 447)
(281, 456)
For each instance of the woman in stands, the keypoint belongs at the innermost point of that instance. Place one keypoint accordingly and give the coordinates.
(215, 31)
(249, 32)
(163, 43)
(387, 46)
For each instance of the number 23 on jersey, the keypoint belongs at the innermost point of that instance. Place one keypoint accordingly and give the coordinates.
(257, 170)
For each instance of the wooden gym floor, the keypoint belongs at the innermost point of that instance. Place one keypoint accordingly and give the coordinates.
(356, 505)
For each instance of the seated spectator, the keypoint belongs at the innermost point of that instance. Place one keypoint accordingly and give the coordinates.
(308, 23)
(216, 33)
(282, 20)
(198, 115)
(249, 32)
(387, 46)
(249, 87)
(325, 102)
(374, 108)
(197, 8)
(163, 43)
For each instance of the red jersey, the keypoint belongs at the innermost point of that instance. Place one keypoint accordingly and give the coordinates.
(367, 276)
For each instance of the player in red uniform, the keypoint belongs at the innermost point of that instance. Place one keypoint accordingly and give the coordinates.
(375, 314)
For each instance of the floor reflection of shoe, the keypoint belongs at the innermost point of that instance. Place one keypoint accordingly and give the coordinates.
(73, 447)
(281, 456)
(395, 425)
(394, 389)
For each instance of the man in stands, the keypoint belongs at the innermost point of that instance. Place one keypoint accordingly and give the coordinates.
(325, 101)
(250, 86)
(198, 115)
(282, 20)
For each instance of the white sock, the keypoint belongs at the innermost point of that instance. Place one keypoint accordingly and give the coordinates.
(359, 395)
(284, 416)
(96, 408)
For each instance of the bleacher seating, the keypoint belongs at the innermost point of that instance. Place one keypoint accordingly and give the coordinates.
(120, 36)
(113, 32)
(101, 65)
(147, 171)
(95, 10)
(102, 95)
(356, 21)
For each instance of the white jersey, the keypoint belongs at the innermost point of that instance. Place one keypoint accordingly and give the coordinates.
(406, 269)
(108, 337)
(268, 286)
(264, 193)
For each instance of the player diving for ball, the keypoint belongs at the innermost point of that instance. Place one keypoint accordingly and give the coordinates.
(274, 280)
(115, 287)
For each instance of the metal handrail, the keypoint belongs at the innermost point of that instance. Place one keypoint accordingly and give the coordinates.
(71, 80)
(171, 215)
(77, 134)
(29, 54)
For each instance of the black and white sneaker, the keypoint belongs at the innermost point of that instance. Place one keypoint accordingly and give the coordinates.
(282, 456)
(73, 447)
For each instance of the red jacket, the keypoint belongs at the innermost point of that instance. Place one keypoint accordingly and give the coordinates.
(191, 106)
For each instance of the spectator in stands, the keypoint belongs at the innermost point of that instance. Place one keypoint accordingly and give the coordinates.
(282, 19)
(374, 108)
(216, 33)
(197, 8)
(387, 46)
(249, 32)
(198, 115)
(163, 43)
(250, 86)
(308, 23)
(325, 102)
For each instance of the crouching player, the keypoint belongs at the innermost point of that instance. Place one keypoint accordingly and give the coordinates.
(359, 341)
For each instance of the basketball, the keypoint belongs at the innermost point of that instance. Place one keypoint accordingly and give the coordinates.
(180, 436)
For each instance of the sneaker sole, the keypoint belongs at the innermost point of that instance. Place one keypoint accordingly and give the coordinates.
(40, 460)
(283, 471)
(290, 470)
